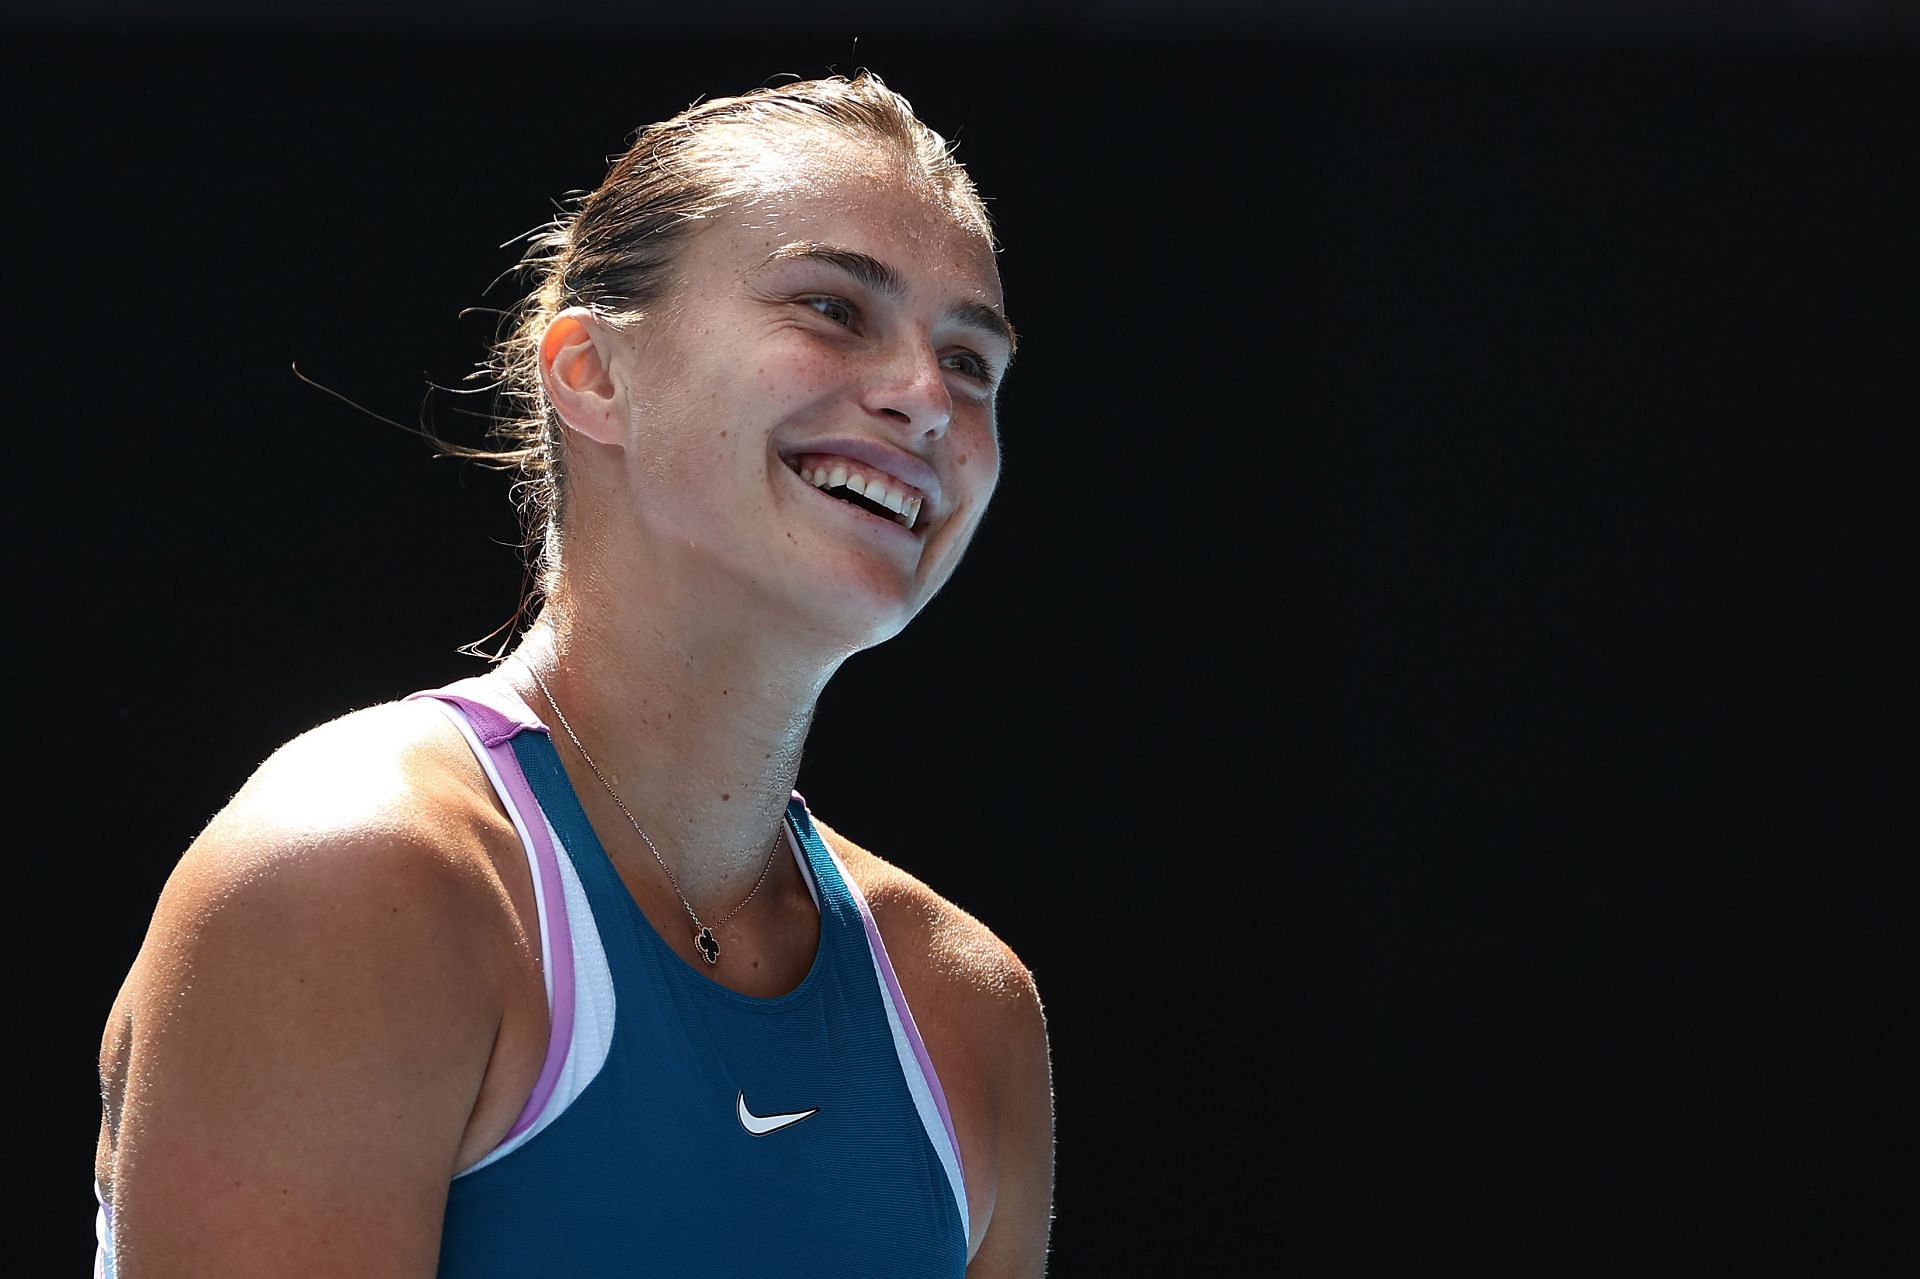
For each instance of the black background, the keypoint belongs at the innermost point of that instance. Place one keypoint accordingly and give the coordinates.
(1428, 703)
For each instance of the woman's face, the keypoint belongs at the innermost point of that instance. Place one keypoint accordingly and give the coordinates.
(844, 332)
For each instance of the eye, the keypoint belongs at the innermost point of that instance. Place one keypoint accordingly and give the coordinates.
(971, 365)
(838, 310)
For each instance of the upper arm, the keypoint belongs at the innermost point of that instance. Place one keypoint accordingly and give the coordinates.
(1016, 1239)
(296, 1053)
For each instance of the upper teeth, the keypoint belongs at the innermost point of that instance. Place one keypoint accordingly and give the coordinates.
(872, 485)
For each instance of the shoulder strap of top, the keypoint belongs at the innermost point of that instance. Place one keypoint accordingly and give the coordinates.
(493, 708)
(496, 715)
(923, 1082)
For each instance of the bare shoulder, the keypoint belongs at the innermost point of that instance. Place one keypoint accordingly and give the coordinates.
(978, 1009)
(311, 1016)
(369, 816)
(382, 804)
(394, 770)
(957, 953)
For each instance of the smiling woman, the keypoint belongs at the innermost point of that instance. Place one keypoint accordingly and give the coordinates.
(768, 166)
(550, 970)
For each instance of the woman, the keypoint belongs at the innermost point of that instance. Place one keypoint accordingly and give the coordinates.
(550, 971)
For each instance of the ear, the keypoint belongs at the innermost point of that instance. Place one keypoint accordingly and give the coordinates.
(576, 372)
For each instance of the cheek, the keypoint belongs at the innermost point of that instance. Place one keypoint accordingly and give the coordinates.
(798, 374)
(977, 457)
(722, 410)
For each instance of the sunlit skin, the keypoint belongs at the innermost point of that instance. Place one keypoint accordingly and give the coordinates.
(765, 345)
(706, 597)
(704, 573)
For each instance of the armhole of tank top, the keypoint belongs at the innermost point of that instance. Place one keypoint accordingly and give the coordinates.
(923, 1082)
(579, 984)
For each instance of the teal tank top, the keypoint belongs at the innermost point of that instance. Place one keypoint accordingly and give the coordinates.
(679, 1128)
(720, 1134)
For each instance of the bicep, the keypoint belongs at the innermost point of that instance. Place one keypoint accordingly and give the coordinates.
(304, 1044)
(1016, 1240)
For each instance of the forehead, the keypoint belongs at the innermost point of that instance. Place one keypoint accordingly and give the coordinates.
(866, 200)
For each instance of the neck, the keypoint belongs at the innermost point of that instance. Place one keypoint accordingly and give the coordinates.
(696, 721)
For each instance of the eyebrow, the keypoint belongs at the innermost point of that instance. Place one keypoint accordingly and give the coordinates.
(881, 278)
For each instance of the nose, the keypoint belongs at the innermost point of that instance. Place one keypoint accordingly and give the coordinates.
(911, 388)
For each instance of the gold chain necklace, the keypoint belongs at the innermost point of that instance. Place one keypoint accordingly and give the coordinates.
(703, 938)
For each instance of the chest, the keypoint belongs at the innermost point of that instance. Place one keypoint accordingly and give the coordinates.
(778, 1136)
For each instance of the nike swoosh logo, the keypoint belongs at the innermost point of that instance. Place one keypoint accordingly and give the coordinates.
(761, 1125)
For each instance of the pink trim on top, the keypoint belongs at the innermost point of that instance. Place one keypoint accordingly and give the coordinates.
(885, 963)
(494, 709)
(498, 714)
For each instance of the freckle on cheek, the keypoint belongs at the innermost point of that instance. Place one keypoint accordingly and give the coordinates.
(964, 459)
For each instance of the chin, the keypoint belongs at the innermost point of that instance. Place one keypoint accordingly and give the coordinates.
(864, 618)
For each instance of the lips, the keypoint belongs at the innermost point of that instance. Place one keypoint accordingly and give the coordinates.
(902, 470)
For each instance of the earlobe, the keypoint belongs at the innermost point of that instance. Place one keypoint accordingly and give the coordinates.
(576, 374)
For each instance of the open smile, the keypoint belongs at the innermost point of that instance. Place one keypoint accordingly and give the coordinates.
(862, 485)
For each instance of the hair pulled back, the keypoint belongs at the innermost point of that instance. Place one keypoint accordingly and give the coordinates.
(614, 251)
